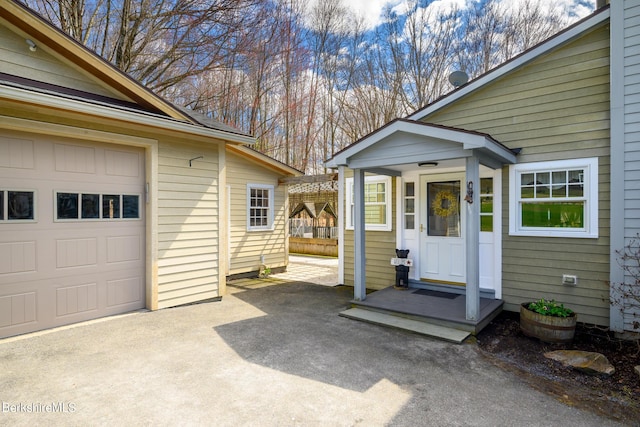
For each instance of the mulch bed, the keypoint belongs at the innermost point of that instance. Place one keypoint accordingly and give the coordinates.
(616, 396)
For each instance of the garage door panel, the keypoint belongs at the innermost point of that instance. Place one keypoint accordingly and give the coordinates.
(76, 252)
(17, 257)
(76, 299)
(124, 292)
(121, 163)
(17, 310)
(16, 153)
(75, 158)
(123, 248)
(61, 270)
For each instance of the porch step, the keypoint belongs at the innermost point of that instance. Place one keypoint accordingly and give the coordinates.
(423, 328)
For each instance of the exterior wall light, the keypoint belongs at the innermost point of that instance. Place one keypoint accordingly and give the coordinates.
(32, 46)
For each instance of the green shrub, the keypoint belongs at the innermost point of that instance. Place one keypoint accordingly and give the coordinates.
(549, 308)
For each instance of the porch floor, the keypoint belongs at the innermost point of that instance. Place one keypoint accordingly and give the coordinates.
(437, 308)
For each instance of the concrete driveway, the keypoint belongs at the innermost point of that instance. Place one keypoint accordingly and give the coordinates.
(272, 353)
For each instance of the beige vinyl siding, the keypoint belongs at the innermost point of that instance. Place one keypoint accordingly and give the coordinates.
(554, 108)
(246, 246)
(18, 60)
(188, 207)
(379, 249)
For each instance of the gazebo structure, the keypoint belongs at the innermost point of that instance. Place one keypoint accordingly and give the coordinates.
(313, 216)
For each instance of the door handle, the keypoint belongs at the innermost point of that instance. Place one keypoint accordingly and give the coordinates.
(421, 228)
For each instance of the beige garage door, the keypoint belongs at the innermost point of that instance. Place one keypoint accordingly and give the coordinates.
(71, 231)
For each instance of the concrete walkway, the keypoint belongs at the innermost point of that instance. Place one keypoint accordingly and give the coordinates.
(271, 353)
(318, 270)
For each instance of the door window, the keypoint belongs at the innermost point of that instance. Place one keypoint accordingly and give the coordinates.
(486, 204)
(443, 204)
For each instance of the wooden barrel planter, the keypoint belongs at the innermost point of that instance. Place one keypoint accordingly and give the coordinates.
(550, 329)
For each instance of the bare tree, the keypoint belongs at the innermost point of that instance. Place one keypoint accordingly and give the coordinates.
(71, 16)
(305, 85)
(497, 31)
(159, 42)
(334, 34)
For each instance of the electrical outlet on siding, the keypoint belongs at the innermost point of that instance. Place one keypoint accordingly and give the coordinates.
(569, 279)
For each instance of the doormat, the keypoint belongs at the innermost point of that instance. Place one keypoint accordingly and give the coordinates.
(436, 294)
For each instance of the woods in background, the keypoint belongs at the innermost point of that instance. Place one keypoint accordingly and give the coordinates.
(306, 80)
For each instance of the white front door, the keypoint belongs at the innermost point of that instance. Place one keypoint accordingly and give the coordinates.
(442, 225)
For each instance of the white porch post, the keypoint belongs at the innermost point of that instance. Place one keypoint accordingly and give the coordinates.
(359, 287)
(473, 238)
(341, 222)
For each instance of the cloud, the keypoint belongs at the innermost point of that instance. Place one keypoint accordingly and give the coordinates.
(372, 11)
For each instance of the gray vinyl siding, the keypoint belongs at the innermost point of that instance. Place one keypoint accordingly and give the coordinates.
(246, 247)
(18, 60)
(188, 226)
(631, 108)
(554, 108)
(379, 249)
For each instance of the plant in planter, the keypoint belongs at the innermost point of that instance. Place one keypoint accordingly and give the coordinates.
(548, 321)
(550, 308)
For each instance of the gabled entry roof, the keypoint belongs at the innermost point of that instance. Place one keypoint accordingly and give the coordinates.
(405, 141)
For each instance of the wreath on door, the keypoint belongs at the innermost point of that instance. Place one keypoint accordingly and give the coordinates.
(439, 207)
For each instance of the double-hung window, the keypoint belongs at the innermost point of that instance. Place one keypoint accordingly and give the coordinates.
(377, 203)
(259, 207)
(554, 199)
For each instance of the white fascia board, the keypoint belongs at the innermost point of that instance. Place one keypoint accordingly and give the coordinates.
(52, 101)
(508, 67)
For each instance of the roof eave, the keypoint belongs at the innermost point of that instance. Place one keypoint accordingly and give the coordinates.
(89, 109)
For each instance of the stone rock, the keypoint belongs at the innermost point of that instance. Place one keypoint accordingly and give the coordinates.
(586, 361)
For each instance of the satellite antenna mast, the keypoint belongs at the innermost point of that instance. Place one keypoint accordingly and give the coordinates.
(458, 78)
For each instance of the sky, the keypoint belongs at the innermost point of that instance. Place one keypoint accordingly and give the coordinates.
(372, 10)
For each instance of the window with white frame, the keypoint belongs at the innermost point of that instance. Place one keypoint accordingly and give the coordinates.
(17, 205)
(75, 206)
(554, 199)
(409, 205)
(377, 203)
(259, 207)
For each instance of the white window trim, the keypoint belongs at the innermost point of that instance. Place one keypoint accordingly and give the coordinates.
(349, 205)
(270, 222)
(590, 230)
